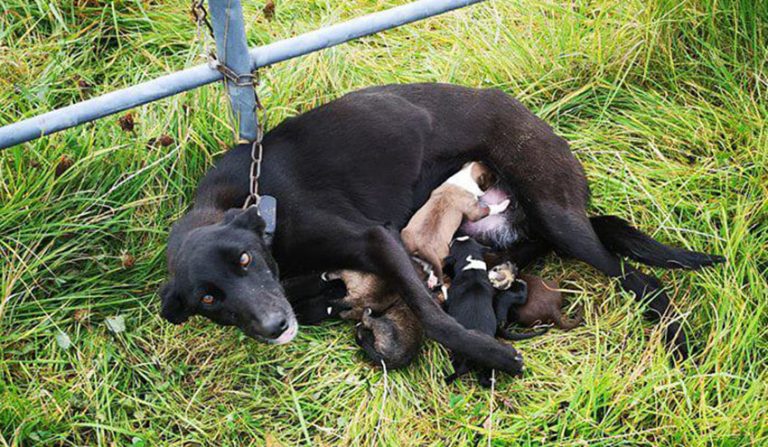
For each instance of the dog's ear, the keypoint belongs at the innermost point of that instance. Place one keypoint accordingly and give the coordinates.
(248, 219)
(230, 215)
(172, 308)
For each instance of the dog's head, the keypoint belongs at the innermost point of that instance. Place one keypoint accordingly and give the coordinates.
(226, 273)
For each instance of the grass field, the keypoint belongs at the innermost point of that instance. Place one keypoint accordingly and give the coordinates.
(663, 101)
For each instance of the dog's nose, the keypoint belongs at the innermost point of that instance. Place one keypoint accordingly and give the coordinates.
(275, 324)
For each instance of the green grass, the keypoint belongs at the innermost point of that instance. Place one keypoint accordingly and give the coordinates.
(664, 102)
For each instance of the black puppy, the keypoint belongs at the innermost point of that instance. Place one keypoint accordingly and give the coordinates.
(470, 300)
(515, 295)
(313, 297)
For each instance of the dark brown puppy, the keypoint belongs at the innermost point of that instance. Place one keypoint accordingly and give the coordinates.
(543, 305)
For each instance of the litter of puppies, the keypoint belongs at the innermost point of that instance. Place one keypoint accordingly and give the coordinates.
(443, 237)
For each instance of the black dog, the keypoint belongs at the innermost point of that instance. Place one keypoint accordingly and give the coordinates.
(341, 171)
(469, 300)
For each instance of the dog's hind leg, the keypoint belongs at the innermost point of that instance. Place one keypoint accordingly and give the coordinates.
(618, 236)
(571, 233)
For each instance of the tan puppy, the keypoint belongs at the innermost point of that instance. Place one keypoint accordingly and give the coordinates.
(393, 338)
(364, 291)
(430, 231)
(388, 330)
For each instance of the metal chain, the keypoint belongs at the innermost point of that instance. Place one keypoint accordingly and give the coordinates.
(201, 20)
(257, 152)
(200, 14)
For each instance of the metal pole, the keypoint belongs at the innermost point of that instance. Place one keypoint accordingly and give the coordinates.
(232, 51)
(200, 75)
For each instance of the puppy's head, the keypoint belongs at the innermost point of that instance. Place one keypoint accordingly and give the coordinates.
(482, 175)
(225, 272)
(503, 275)
(465, 254)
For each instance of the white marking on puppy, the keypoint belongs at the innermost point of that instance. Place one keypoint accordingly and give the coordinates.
(329, 310)
(459, 239)
(463, 179)
(474, 264)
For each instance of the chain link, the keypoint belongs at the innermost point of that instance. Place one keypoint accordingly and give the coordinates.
(200, 15)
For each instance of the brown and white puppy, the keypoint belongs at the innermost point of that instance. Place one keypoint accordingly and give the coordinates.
(430, 231)
(388, 331)
(543, 305)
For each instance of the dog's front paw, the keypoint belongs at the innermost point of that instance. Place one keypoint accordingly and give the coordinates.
(432, 281)
(512, 362)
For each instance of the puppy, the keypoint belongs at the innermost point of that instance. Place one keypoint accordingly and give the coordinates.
(543, 306)
(503, 275)
(515, 295)
(388, 330)
(394, 338)
(470, 298)
(364, 291)
(430, 230)
(310, 296)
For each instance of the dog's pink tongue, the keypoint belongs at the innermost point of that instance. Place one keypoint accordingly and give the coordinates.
(287, 336)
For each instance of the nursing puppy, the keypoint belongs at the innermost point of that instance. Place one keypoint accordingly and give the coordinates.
(543, 305)
(470, 299)
(392, 339)
(389, 331)
(430, 230)
(364, 291)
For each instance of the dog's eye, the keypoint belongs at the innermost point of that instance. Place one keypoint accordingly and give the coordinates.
(207, 299)
(245, 259)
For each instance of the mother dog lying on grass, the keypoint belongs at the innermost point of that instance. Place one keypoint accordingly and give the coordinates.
(347, 177)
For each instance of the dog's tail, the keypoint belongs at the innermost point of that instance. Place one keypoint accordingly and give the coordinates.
(619, 237)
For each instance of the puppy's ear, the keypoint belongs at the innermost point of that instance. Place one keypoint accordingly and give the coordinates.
(172, 308)
(248, 219)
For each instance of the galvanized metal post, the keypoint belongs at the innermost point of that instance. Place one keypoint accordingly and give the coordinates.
(232, 52)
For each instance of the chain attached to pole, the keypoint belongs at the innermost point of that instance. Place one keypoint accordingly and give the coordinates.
(200, 14)
(257, 155)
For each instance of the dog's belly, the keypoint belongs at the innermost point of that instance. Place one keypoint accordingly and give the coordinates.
(499, 231)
